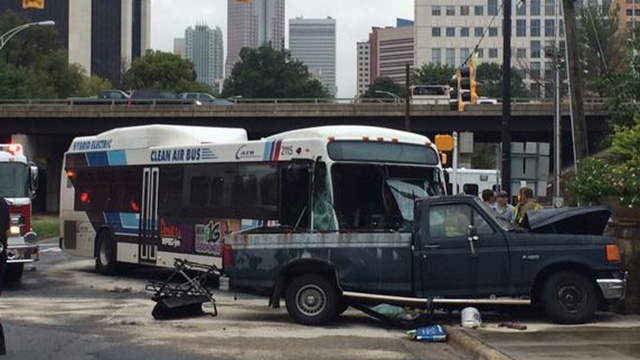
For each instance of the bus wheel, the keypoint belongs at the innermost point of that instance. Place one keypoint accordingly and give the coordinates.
(312, 299)
(106, 254)
(13, 273)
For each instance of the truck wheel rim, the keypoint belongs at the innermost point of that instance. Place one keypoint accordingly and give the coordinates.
(311, 300)
(571, 297)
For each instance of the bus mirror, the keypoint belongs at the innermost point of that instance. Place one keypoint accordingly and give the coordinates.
(33, 180)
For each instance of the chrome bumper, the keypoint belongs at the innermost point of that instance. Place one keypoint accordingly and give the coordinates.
(613, 289)
(23, 249)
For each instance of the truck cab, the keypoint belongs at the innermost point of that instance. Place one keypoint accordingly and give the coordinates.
(18, 183)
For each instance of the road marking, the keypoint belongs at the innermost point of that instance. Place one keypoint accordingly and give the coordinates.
(53, 249)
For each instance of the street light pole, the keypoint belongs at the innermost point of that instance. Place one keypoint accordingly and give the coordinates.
(4, 39)
(506, 97)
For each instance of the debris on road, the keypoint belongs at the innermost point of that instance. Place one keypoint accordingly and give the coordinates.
(433, 333)
(514, 325)
(118, 289)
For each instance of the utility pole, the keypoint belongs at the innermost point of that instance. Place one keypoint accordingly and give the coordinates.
(407, 99)
(557, 145)
(506, 97)
(579, 123)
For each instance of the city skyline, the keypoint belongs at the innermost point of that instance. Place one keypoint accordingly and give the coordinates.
(169, 21)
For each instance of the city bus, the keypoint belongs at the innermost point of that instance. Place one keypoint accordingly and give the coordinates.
(149, 195)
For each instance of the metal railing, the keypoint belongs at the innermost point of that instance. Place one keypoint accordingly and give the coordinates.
(319, 101)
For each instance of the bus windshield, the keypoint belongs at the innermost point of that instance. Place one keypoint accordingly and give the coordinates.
(14, 180)
(380, 197)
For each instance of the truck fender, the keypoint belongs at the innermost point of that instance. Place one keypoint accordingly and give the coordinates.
(550, 269)
(299, 267)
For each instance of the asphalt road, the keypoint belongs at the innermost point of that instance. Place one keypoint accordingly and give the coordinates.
(62, 311)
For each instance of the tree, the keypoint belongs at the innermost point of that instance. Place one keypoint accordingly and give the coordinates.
(166, 71)
(601, 44)
(384, 84)
(34, 65)
(265, 73)
(433, 74)
(92, 86)
(489, 82)
(624, 88)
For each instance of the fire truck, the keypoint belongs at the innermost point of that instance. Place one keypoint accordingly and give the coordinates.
(18, 184)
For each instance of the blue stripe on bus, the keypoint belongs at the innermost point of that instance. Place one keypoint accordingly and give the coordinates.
(117, 158)
(267, 150)
(130, 221)
(98, 158)
(124, 223)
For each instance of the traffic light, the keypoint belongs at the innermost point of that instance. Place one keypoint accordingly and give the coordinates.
(468, 82)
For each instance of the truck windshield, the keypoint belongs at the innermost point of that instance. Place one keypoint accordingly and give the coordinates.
(502, 222)
(14, 180)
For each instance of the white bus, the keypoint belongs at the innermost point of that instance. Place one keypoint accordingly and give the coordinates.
(148, 195)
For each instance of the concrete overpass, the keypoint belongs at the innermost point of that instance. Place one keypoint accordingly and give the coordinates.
(46, 129)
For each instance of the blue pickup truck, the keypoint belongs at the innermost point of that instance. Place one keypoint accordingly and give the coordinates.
(460, 252)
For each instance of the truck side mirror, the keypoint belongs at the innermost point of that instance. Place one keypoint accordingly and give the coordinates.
(33, 180)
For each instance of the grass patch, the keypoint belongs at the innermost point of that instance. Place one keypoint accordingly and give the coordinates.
(46, 226)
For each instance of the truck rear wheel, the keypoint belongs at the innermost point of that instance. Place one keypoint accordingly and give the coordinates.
(312, 299)
(106, 261)
(13, 273)
(569, 298)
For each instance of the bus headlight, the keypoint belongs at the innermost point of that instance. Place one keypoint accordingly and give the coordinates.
(15, 230)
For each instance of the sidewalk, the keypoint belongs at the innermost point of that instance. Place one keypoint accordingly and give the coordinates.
(609, 337)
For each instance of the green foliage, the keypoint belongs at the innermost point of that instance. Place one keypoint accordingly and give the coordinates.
(33, 64)
(91, 86)
(484, 157)
(598, 178)
(601, 43)
(384, 84)
(269, 74)
(165, 71)
(433, 74)
(489, 82)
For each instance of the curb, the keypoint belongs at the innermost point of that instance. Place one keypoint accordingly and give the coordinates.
(470, 344)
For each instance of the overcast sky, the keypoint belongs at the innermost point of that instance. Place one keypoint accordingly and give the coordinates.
(169, 18)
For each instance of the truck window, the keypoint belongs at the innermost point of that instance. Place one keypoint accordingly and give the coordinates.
(453, 221)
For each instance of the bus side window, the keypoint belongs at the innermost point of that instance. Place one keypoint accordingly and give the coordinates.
(471, 189)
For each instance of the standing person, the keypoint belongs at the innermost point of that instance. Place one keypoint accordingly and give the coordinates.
(489, 197)
(503, 208)
(5, 220)
(526, 203)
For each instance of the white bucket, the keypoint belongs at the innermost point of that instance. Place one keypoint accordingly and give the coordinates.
(471, 318)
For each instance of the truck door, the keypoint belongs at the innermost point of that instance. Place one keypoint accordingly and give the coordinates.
(455, 264)
(148, 245)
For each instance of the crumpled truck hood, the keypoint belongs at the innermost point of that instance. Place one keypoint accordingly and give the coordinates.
(577, 221)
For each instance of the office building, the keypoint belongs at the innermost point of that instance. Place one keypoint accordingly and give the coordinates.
(364, 67)
(628, 13)
(204, 47)
(313, 41)
(448, 31)
(103, 36)
(180, 47)
(253, 24)
(386, 54)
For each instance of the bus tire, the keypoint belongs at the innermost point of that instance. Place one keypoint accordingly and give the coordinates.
(312, 299)
(13, 273)
(106, 260)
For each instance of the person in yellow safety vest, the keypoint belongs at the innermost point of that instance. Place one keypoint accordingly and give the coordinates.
(526, 203)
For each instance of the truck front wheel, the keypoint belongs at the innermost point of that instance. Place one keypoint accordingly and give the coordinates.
(312, 299)
(569, 298)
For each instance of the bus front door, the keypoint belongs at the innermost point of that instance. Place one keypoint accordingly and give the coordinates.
(148, 248)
